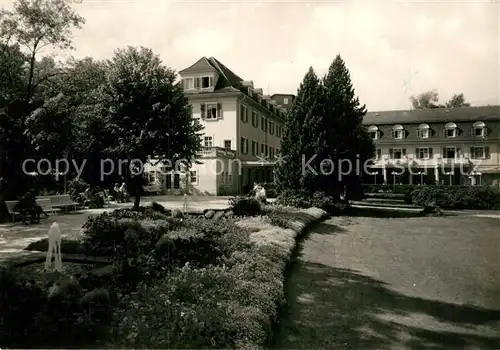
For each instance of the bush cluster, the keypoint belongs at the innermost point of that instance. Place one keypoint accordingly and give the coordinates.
(318, 200)
(62, 314)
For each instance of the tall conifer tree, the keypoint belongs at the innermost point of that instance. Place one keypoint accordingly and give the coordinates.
(343, 118)
(297, 139)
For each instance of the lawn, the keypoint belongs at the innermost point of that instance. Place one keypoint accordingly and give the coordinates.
(395, 283)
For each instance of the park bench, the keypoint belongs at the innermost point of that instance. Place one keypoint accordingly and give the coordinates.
(63, 201)
(156, 189)
(46, 205)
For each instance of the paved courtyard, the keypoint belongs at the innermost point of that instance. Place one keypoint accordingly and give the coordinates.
(14, 237)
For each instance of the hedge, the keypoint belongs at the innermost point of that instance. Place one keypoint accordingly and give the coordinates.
(449, 197)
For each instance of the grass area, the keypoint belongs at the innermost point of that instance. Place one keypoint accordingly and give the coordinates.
(366, 283)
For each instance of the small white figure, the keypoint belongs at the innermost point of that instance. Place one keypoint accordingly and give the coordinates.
(54, 248)
(185, 204)
(260, 193)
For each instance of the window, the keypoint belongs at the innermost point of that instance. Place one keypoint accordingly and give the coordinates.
(397, 153)
(206, 82)
(423, 131)
(285, 101)
(177, 181)
(266, 148)
(478, 152)
(378, 154)
(271, 153)
(479, 129)
(263, 123)
(210, 111)
(271, 128)
(255, 119)
(227, 144)
(255, 148)
(208, 141)
(450, 130)
(398, 132)
(168, 181)
(194, 176)
(423, 153)
(244, 145)
(449, 152)
(278, 130)
(374, 132)
(188, 83)
(244, 113)
(278, 152)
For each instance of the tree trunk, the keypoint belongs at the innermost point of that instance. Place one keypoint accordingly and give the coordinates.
(137, 201)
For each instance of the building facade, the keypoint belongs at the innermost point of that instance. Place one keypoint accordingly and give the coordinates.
(242, 132)
(455, 146)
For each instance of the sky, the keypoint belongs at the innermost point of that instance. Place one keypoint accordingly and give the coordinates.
(393, 49)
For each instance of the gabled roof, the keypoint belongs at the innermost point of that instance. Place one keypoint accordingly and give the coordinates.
(228, 80)
(199, 66)
(433, 115)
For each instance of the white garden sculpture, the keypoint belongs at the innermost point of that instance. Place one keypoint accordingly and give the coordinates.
(54, 248)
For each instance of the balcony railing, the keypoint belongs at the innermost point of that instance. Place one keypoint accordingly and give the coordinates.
(217, 152)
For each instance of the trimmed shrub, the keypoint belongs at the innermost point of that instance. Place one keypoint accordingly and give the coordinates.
(318, 200)
(68, 246)
(245, 206)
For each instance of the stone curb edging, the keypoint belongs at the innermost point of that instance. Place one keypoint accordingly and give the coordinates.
(285, 239)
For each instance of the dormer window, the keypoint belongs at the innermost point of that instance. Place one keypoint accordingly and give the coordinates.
(424, 131)
(451, 130)
(479, 129)
(398, 132)
(196, 83)
(374, 132)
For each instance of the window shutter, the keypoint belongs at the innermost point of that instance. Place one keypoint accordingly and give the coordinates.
(379, 153)
(485, 131)
(246, 114)
(418, 133)
(417, 153)
(405, 133)
(211, 81)
(393, 133)
(391, 152)
(487, 152)
(202, 109)
(471, 154)
(219, 110)
(404, 151)
(443, 152)
(431, 155)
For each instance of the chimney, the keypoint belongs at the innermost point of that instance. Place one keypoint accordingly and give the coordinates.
(248, 83)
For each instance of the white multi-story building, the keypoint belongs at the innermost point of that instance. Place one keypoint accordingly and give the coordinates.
(242, 131)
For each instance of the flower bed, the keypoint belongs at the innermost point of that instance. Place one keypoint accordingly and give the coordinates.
(191, 282)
